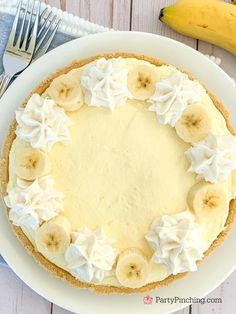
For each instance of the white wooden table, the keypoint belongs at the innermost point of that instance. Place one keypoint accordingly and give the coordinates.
(138, 15)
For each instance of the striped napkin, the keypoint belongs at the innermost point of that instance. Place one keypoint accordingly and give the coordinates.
(71, 27)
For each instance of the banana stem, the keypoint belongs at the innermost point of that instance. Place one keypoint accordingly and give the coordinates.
(162, 13)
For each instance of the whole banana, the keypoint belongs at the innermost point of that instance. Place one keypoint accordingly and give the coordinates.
(213, 21)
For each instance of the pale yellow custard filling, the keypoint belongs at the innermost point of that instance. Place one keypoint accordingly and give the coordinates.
(124, 169)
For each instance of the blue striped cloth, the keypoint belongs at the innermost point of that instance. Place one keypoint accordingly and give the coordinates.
(6, 21)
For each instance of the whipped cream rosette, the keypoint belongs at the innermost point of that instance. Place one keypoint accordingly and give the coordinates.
(91, 255)
(213, 158)
(172, 95)
(177, 242)
(105, 83)
(42, 123)
(31, 203)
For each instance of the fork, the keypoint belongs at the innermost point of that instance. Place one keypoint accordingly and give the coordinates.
(20, 49)
(48, 25)
(47, 32)
(47, 28)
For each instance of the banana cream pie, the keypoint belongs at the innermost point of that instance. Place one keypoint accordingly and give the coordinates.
(119, 173)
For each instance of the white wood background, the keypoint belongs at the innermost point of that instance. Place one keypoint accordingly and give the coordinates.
(138, 15)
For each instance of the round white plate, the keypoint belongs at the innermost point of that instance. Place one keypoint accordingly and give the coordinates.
(215, 269)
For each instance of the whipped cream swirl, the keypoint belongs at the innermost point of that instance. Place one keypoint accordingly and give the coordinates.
(213, 158)
(105, 83)
(177, 242)
(31, 203)
(172, 95)
(90, 255)
(42, 123)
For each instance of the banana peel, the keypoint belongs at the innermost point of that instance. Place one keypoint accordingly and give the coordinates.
(213, 21)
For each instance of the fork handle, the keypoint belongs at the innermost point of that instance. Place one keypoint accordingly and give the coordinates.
(6, 78)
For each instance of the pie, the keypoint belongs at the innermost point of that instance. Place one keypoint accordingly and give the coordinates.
(119, 173)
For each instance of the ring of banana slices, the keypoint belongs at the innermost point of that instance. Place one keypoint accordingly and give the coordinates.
(54, 235)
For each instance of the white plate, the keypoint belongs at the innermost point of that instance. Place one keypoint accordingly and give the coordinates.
(215, 269)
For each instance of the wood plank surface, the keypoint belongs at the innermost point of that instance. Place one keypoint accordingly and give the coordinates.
(17, 298)
(226, 291)
(58, 310)
(145, 18)
(138, 15)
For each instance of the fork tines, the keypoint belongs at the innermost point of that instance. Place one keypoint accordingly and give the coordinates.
(21, 43)
(49, 23)
(29, 37)
(26, 20)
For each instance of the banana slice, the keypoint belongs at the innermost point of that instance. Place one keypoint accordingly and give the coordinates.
(31, 164)
(65, 90)
(204, 198)
(53, 237)
(194, 124)
(142, 81)
(132, 268)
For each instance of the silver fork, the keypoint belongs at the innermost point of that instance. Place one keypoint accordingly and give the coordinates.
(48, 26)
(49, 23)
(20, 49)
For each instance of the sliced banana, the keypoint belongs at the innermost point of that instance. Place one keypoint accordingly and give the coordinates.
(132, 268)
(65, 90)
(142, 81)
(31, 163)
(194, 124)
(53, 237)
(205, 198)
